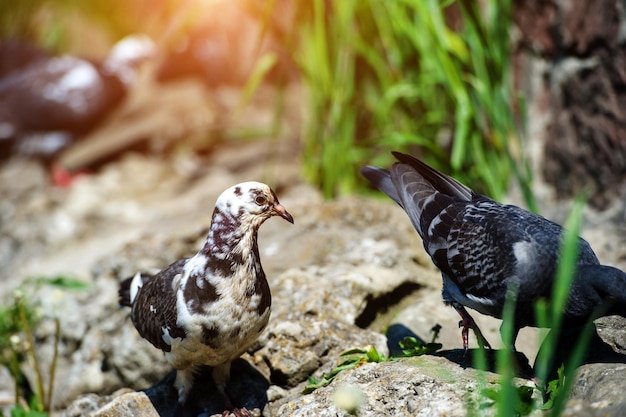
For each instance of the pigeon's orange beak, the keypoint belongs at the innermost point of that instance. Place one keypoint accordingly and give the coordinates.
(280, 210)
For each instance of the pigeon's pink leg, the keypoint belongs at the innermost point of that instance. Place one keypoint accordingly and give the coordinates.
(466, 323)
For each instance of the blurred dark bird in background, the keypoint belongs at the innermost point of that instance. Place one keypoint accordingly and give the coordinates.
(47, 102)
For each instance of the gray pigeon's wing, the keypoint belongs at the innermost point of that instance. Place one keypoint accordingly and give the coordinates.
(481, 246)
(492, 246)
(478, 243)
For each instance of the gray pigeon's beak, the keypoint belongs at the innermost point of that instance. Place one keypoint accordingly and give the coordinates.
(280, 210)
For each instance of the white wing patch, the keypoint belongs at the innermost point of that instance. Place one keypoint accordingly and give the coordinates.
(135, 285)
(200, 282)
(167, 338)
(524, 252)
(480, 300)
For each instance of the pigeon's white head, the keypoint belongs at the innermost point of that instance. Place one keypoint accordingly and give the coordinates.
(251, 202)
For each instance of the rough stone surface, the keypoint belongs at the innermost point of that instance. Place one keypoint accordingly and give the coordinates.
(557, 28)
(580, 408)
(587, 150)
(136, 404)
(423, 386)
(121, 403)
(347, 273)
(344, 274)
(610, 391)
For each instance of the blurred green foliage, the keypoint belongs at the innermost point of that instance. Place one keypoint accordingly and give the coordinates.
(62, 25)
(428, 77)
(425, 76)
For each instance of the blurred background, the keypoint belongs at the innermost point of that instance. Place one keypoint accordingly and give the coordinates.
(495, 93)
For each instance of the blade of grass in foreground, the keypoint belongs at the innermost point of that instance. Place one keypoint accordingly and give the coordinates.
(505, 358)
(551, 315)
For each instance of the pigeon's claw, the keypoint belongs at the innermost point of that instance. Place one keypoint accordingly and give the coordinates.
(229, 408)
(464, 335)
(466, 323)
(238, 412)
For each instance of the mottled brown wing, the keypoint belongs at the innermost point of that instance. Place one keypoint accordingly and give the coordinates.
(154, 312)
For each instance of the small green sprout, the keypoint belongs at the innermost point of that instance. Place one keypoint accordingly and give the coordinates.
(355, 358)
(412, 346)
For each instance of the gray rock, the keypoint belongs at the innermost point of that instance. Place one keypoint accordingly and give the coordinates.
(293, 350)
(612, 330)
(580, 408)
(120, 404)
(601, 382)
(422, 386)
(136, 404)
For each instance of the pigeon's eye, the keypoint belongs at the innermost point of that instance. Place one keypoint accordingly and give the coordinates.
(260, 200)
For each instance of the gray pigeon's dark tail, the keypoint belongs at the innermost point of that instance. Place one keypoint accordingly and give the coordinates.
(441, 182)
(125, 292)
(423, 192)
(381, 179)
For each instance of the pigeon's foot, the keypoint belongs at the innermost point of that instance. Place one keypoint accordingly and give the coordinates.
(238, 412)
(62, 177)
(466, 323)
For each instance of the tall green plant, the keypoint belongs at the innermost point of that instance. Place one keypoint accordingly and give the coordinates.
(384, 75)
(19, 321)
(328, 64)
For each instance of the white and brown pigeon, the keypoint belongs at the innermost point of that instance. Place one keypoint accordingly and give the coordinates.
(483, 248)
(208, 309)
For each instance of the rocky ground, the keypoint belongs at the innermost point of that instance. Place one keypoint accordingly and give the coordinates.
(344, 274)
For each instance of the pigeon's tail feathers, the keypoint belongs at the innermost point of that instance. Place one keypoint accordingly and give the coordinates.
(130, 287)
(441, 182)
(381, 179)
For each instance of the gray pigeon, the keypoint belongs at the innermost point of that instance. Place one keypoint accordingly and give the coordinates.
(483, 248)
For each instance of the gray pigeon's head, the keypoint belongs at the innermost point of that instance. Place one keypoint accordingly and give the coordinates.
(597, 290)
